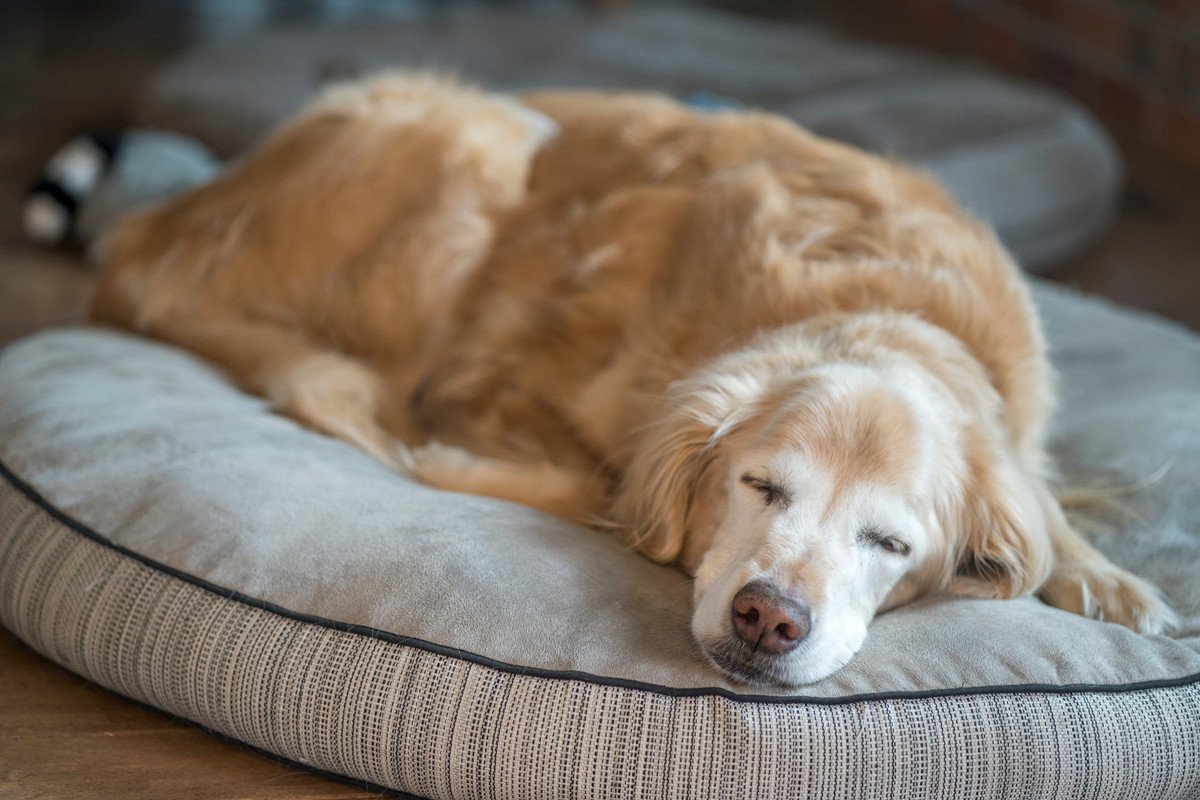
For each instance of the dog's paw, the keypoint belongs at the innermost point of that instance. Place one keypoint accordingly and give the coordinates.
(441, 465)
(1103, 591)
(338, 397)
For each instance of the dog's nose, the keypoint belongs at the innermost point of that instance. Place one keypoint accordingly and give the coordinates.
(767, 618)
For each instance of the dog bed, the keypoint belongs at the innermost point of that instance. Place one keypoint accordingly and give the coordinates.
(166, 536)
(1028, 160)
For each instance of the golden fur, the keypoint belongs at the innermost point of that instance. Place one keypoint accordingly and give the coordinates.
(598, 304)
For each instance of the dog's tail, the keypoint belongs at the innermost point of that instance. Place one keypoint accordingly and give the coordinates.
(1090, 507)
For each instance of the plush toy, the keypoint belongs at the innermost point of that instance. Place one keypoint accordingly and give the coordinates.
(96, 178)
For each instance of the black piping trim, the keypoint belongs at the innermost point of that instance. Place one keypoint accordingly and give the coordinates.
(573, 675)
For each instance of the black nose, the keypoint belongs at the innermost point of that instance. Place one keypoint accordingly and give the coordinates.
(769, 619)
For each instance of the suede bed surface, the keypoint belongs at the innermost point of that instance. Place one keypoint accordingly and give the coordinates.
(154, 450)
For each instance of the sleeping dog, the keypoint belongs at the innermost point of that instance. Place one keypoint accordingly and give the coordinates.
(793, 369)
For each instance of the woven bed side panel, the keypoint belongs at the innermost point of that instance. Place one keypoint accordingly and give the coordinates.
(442, 727)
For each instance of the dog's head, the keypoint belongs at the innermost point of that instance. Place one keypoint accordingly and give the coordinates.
(820, 476)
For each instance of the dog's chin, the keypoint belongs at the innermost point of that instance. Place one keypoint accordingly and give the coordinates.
(739, 661)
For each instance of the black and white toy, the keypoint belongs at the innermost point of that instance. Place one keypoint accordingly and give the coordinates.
(96, 178)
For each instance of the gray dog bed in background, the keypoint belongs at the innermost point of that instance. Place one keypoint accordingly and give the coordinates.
(1026, 159)
(166, 536)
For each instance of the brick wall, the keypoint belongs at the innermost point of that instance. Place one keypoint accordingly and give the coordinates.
(1135, 63)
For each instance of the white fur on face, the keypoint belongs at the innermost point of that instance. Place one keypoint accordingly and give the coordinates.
(820, 540)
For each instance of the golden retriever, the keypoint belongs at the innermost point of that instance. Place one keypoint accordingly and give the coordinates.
(793, 369)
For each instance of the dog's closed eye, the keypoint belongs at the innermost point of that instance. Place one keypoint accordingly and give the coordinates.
(772, 493)
(877, 538)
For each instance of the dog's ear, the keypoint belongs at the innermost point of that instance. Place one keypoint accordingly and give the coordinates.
(1002, 547)
(663, 496)
(658, 489)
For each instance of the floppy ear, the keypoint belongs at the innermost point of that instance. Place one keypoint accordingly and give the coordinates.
(1003, 549)
(659, 495)
(657, 491)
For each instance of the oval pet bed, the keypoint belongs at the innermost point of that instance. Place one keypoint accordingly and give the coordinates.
(167, 537)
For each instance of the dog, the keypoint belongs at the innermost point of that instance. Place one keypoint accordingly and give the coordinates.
(795, 370)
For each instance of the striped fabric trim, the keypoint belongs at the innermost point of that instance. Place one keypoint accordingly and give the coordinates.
(436, 725)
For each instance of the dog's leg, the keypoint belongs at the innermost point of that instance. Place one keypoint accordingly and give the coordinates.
(338, 396)
(1085, 582)
(548, 487)
(329, 392)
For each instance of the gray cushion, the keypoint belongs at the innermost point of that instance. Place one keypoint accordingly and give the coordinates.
(168, 537)
(1029, 161)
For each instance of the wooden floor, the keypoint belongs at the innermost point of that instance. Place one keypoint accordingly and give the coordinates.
(72, 66)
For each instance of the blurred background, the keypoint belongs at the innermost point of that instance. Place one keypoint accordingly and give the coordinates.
(1073, 126)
